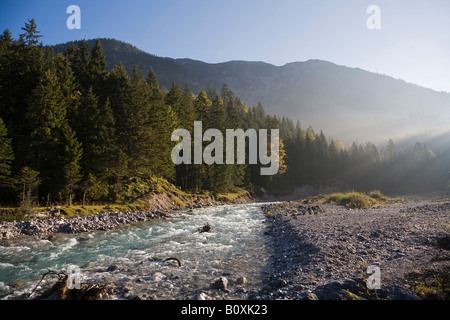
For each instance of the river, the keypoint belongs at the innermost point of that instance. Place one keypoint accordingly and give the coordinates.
(130, 258)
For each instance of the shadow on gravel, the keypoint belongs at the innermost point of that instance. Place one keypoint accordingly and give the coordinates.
(290, 252)
(443, 242)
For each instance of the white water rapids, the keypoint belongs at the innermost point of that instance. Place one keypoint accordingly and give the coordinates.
(234, 247)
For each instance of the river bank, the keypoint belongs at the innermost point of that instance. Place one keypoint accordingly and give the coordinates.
(163, 259)
(322, 251)
(161, 205)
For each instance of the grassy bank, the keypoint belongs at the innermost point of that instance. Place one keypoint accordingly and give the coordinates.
(20, 214)
(163, 195)
(354, 200)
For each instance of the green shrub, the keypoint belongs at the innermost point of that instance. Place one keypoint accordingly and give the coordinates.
(12, 214)
(351, 199)
(377, 194)
(356, 199)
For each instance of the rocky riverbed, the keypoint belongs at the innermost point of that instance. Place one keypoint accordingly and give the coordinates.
(314, 251)
(322, 251)
(162, 206)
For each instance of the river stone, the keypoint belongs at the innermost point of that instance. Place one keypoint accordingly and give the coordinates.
(307, 295)
(7, 235)
(241, 280)
(220, 283)
(89, 264)
(397, 293)
(202, 296)
(158, 276)
(112, 268)
(52, 238)
(277, 283)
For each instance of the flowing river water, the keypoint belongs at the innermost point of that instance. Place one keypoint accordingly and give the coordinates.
(131, 257)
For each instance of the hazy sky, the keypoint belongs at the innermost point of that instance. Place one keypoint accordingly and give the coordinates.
(413, 43)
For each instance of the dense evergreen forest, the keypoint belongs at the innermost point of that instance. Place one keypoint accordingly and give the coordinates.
(70, 131)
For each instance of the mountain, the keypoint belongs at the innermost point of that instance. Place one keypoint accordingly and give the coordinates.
(347, 103)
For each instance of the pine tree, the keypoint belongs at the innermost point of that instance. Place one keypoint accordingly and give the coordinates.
(298, 155)
(202, 105)
(6, 155)
(282, 166)
(83, 69)
(233, 120)
(163, 120)
(335, 163)
(389, 152)
(49, 58)
(106, 144)
(260, 116)
(21, 68)
(88, 129)
(68, 86)
(97, 61)
(26, 183)
(182, 103)
(72, 56)
(118, 88)
(138, 134)
(71, 158)
(30, 37)
(152, 81)
(46, 113)
(6, 40)
(186, 114)
(93, 188)
(174, 99)
(49, 133)
(97, 68)
(236, 172)
(219, 176)
(323, 156)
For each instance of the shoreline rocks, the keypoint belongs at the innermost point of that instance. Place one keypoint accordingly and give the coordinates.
(325, 255)
(97, 222)
(46, 227)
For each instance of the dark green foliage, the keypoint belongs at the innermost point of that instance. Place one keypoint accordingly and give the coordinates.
(71, 159)
(162, 120)
(93, 189)
(26, 182)
(6, 155)
(70, 130)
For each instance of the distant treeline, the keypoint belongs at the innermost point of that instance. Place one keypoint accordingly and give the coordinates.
(69, 129)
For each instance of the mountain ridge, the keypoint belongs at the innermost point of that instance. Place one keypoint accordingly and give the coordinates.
(346, 102)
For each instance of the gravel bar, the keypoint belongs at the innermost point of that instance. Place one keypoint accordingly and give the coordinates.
(322, 251)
